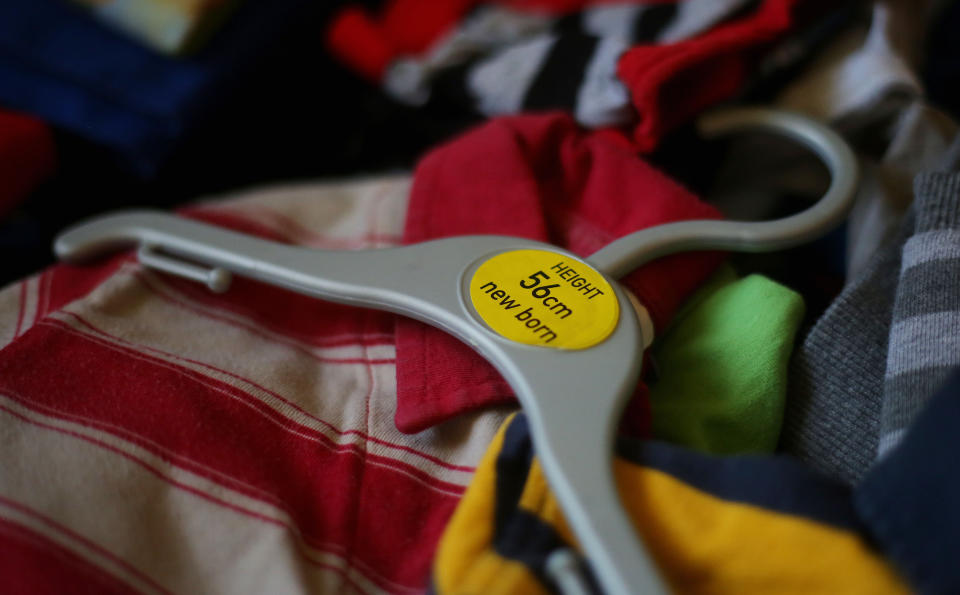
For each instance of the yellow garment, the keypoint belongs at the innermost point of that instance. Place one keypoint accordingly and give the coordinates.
(465, 562)
(701, 543)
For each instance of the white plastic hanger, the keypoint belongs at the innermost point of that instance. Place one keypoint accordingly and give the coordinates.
(573, 397)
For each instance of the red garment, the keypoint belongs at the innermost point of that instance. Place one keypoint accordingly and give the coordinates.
(26, 156)
(250, 433)
(368, 43)
(669, 84)
(543, 178)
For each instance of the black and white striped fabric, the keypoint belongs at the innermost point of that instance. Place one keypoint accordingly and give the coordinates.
(501, 61)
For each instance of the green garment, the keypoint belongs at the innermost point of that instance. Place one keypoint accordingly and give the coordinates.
(722, 366)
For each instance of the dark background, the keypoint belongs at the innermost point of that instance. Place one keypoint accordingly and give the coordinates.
(295, 113)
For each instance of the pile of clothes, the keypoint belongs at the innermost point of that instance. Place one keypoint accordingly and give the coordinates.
(791, 428)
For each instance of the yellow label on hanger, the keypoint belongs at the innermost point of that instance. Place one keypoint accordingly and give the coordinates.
(537, 297)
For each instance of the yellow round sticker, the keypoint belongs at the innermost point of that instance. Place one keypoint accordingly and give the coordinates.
(543, 298)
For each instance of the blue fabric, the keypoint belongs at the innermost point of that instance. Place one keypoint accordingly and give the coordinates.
(58, 63)
(910, 498)
(520, 535)
(779, 483)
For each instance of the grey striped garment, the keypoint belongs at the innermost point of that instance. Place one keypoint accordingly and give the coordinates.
(883, 347)
(835, 382)
(924, 343)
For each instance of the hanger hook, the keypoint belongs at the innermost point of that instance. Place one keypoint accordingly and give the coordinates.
(631, 251)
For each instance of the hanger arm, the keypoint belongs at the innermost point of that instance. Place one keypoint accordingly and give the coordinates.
(573, 417)
(406, 280)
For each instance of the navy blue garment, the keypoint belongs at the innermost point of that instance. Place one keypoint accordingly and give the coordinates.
(941, 71)
(58, 63)
(909, 499)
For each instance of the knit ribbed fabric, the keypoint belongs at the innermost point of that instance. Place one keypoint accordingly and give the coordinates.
(924, 343)
(886, 344)
(835, 392)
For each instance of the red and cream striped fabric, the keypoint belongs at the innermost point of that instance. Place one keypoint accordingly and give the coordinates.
(155, 437)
